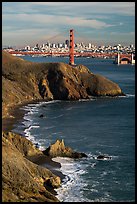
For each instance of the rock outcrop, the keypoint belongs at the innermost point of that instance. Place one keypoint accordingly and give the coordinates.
(59, 149)
(22, 179)
(24, 81)
(104, 157)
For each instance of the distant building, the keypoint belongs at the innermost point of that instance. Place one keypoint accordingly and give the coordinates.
(43, 46)
(37, 46)
(28, 48)
(54, 45)
(60, 45)
(48, 44)
(89, 45)
(67, 43)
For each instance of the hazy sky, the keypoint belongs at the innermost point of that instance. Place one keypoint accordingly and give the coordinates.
(28, 23)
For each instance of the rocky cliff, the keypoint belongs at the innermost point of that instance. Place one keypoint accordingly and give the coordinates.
(24, 81)
(22, 179)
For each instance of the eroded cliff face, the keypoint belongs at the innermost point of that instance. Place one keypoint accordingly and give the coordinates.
(22, 179)
(24, 81)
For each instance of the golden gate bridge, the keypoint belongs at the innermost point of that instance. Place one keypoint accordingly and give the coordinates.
(119, 58)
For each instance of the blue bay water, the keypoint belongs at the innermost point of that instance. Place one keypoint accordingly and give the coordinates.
(97, 126)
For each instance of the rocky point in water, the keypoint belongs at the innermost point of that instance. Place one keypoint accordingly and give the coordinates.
(58, 149)
(103, 157)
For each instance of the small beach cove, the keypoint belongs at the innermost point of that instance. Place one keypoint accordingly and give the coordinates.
(16, 115)
(46, 167)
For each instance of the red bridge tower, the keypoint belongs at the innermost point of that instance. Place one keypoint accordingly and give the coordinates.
(71, 48)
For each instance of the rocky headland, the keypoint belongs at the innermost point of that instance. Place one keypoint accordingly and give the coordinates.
(24, 81)
(23, 176)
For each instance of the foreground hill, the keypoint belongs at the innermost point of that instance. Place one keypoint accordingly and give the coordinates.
(24, 81)
(22, 179)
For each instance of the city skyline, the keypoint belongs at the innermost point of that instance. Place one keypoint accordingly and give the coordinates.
(96, 22)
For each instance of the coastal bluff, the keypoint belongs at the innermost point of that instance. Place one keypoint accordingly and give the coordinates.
(24, 81)
(24, 179)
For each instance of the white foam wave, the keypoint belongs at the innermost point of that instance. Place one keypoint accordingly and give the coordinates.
(43, 102)
(40, 143)
(27, 121)
(130, 95)
(42, 148)
(48, 102)
(57, 116)
(27, 134)
(56, 133)
(31, 127)
(33, 108)
(29, 124)
(30, 109)
(73, 184)
(70, 108)
(85, 100)
(49, 127)
(127, 96)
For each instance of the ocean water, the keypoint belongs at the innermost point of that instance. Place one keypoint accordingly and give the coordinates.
(96, 126)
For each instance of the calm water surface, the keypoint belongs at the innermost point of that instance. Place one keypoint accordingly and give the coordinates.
(99, 126)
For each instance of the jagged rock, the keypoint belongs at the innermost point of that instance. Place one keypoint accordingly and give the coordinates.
(103, 156)
(23, 180)
(53, 182)
(41, 116)
(59, 149)
(44, 89)
(24, 146)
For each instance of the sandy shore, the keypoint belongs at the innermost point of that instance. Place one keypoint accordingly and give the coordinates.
(16, 116)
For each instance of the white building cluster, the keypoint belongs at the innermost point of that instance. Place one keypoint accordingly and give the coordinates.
(79, 47)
